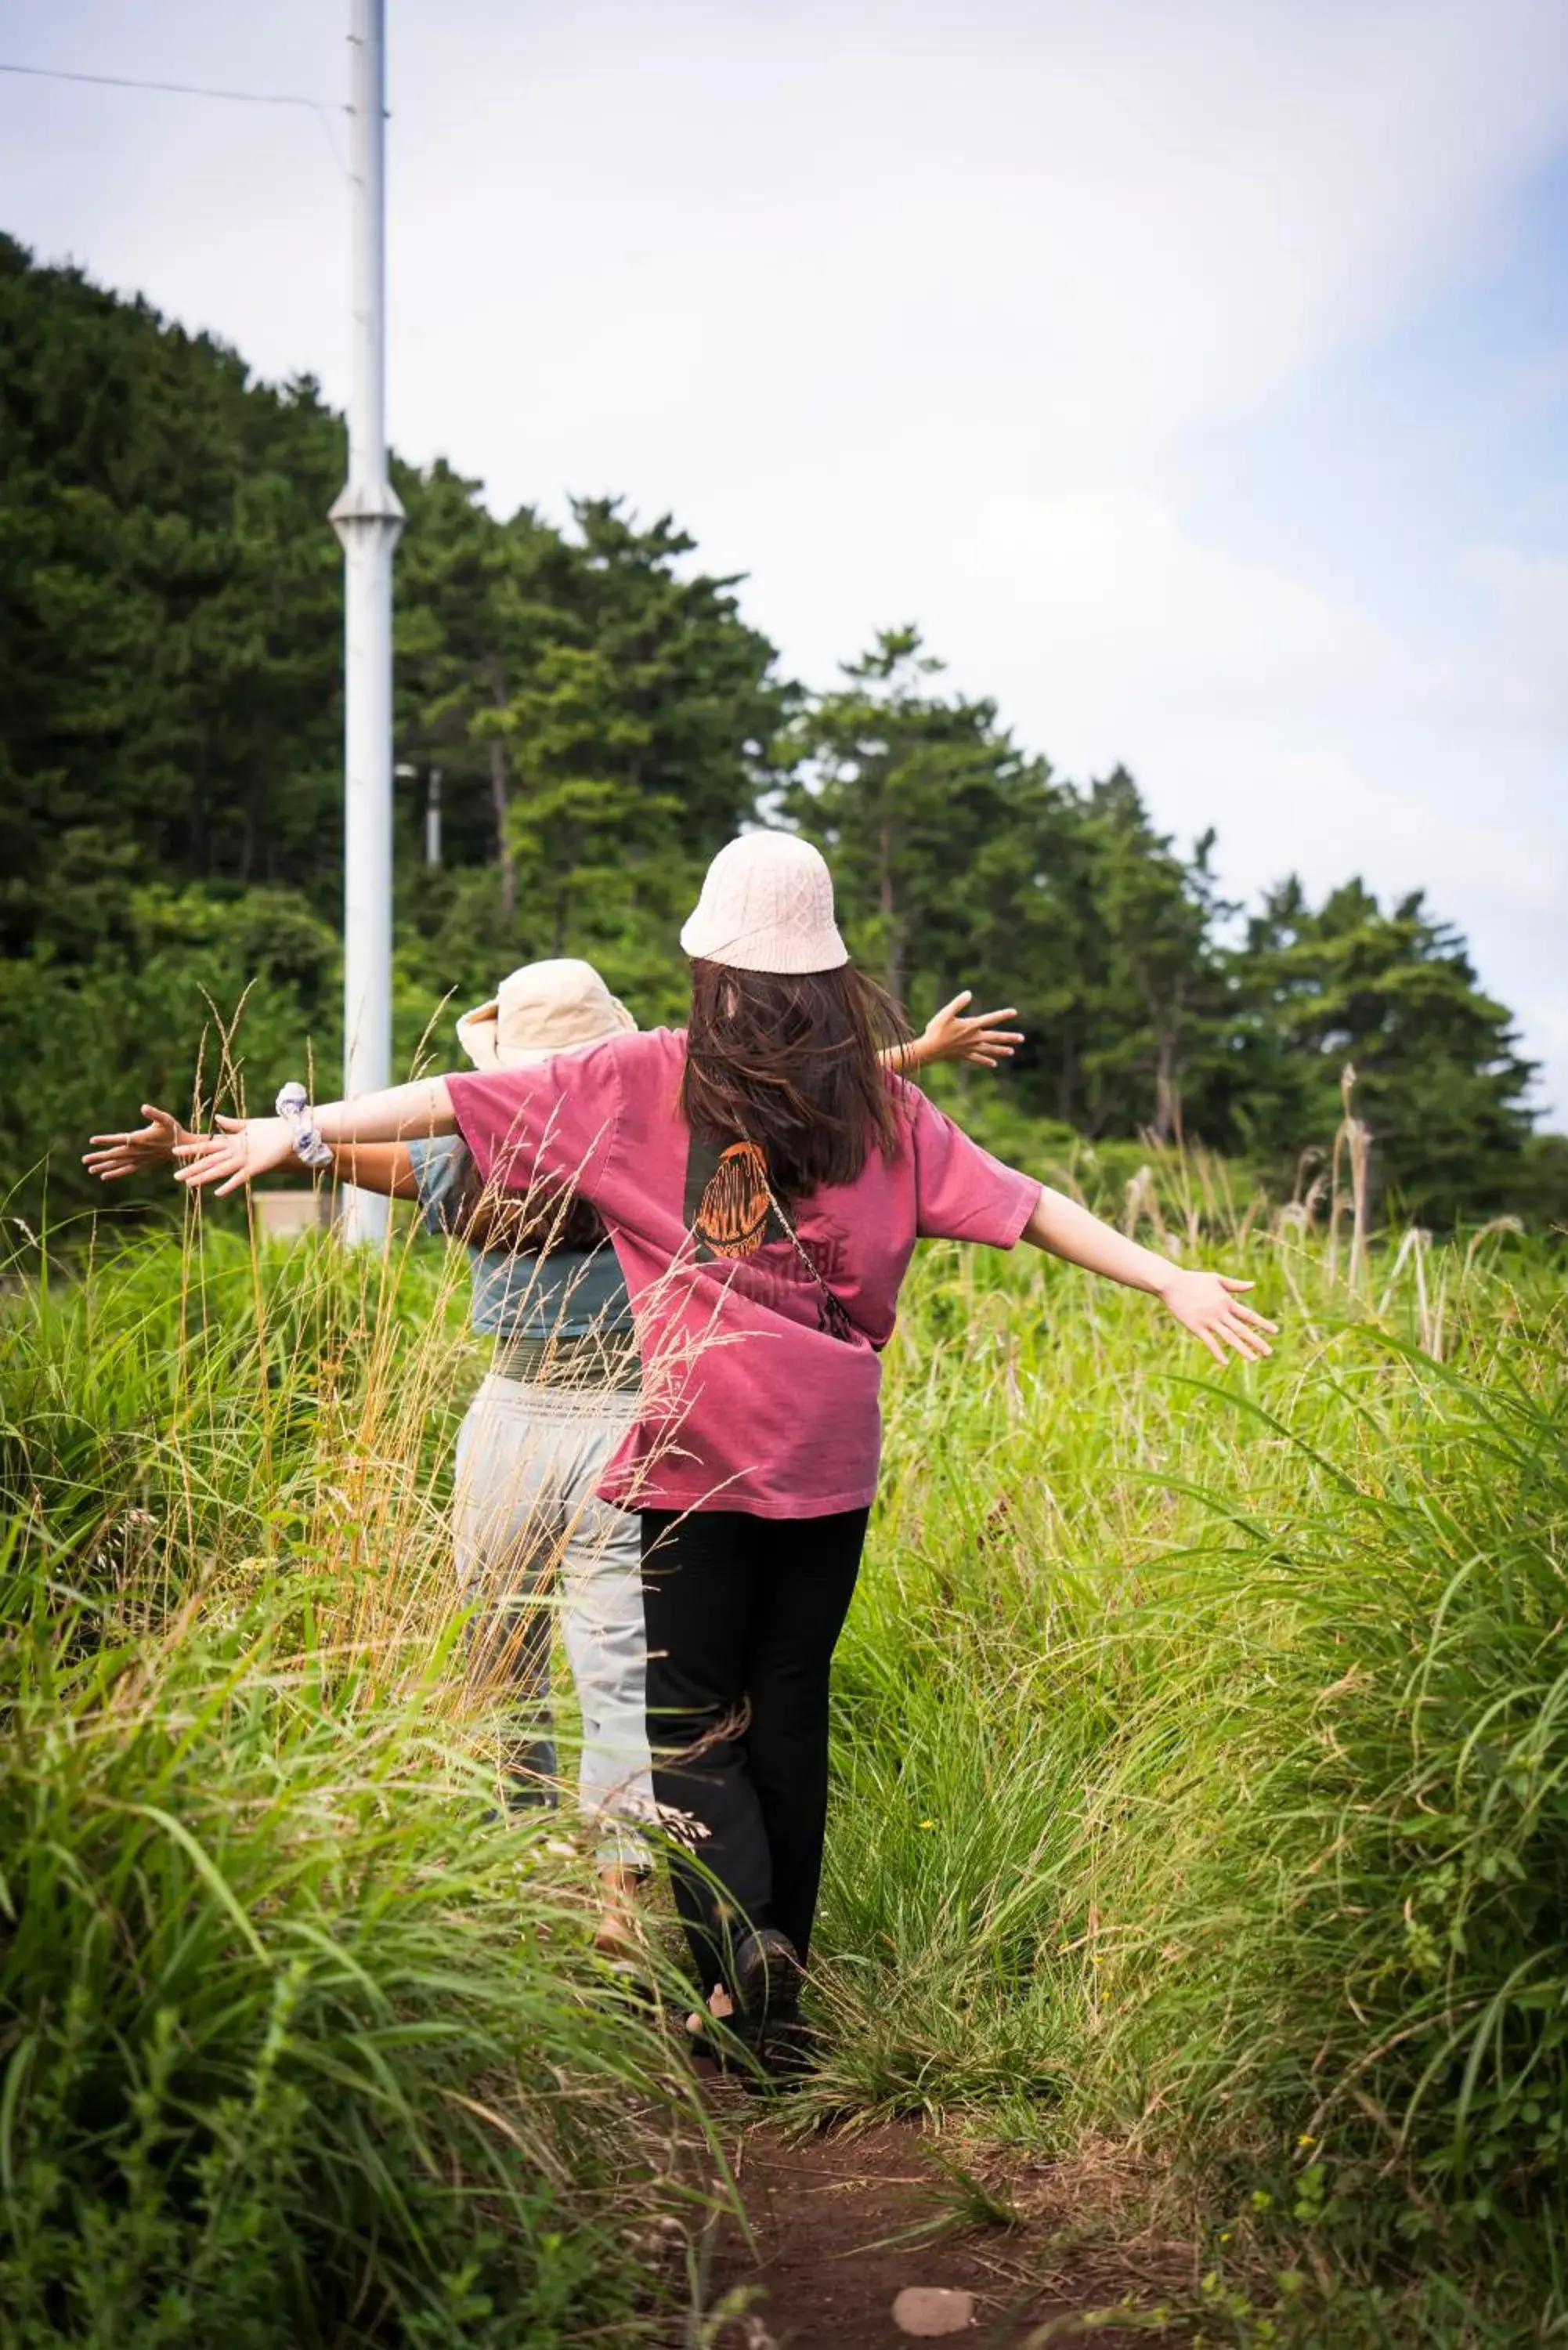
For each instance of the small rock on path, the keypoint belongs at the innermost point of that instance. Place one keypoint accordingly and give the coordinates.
(929, 2310)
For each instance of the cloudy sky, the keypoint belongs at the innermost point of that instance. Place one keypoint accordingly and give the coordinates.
(1195, 373)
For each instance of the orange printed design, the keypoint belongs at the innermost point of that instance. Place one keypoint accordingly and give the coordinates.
(731, 1218)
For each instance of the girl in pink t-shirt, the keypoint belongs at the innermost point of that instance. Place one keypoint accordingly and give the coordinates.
(763, 1181)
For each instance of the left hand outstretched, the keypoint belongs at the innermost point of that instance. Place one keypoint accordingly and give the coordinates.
(950, 1036)
(243, 1148)
(152, 1145)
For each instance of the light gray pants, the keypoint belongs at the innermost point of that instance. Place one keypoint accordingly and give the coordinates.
(525, 1512)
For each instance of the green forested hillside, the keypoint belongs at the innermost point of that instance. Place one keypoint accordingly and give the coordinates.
(603, 717)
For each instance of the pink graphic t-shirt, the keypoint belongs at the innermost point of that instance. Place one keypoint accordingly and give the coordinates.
(750, 1401)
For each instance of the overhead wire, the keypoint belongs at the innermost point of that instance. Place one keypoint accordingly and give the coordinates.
(189, 89)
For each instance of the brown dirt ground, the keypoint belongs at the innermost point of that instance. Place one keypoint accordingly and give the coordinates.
(821, 2274)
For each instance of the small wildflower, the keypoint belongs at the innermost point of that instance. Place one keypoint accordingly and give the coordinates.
(927, 1823)
(1306, 2138)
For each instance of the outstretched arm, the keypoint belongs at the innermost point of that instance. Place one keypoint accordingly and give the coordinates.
(1206, 1304)
(374, 1166)
(243, 1149)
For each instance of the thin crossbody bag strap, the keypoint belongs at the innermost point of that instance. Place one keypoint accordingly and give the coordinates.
(838, 1320)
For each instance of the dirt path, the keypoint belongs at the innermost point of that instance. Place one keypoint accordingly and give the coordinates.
(824, 2275)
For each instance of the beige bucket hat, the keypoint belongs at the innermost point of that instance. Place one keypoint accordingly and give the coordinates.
(541, 1009)
(767, 905)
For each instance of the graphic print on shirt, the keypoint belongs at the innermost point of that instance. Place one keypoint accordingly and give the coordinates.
(727, 1208)
(729, 1214)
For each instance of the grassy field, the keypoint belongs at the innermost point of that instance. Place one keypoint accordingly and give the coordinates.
(1201, 1806)
(297, 2044)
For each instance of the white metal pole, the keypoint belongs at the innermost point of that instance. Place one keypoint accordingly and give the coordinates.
(367, 518)
(432, 817)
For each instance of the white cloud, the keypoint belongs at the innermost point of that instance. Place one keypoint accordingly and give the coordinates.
(1526, 602)
(916, 310)
(1021, 241)
(1109, 597)
(1317, 737)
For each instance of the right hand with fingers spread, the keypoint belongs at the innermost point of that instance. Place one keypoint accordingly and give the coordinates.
(1209, 1304)
(152, 1145)
(243, 1148)
(951, 1035)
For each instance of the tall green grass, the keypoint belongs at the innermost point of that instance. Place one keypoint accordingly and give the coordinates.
(1203, 1757)
(298, 2044)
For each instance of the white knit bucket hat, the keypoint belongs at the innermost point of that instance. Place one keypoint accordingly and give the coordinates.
(544, 1008)
(766, 905)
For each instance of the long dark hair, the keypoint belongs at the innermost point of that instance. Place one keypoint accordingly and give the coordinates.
(541, 1223)
(788, 1061)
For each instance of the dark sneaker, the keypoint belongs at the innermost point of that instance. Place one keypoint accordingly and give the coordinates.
(768, 1975)
(766, 1978)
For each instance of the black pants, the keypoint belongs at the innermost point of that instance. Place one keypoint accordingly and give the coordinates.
(742, 1617)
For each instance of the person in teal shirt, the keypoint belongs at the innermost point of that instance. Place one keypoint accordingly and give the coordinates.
(556, 1402)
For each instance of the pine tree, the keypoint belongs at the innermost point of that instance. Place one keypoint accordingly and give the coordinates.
(1440, 1079)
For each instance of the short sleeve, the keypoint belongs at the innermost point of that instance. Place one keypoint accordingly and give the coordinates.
(440, 1164)
(557, 1121)
(962, 1193)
